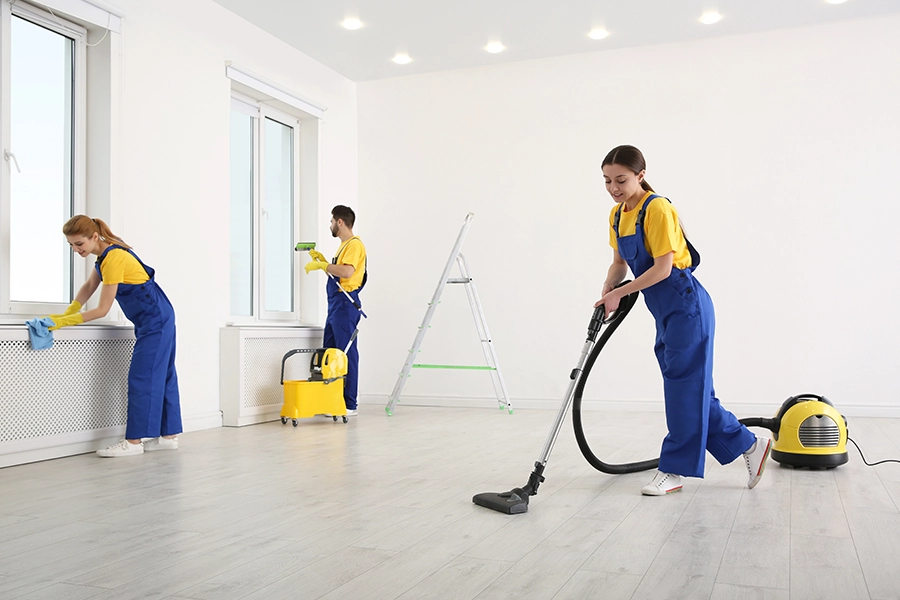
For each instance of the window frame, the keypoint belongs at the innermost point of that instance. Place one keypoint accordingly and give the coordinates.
(246, 105)
(77, 33)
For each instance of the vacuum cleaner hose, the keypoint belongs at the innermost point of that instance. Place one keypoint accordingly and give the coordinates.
(624, 308)
(646, 465)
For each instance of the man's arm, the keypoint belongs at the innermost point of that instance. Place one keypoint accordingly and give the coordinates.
(342, 271)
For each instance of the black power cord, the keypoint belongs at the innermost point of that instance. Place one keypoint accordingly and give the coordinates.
(888, 460)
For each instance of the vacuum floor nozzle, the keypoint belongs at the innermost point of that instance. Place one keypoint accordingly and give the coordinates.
(513, 502)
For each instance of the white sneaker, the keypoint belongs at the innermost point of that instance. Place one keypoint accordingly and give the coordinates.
(755, 458)
(662, 484)
(123, 448)
(161, 443)
(350, 413)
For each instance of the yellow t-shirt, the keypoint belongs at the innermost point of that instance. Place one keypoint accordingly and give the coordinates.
(119, 266)
(352, 252)
(662, 230)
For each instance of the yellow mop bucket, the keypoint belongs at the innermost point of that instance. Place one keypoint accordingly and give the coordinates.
(322, 393)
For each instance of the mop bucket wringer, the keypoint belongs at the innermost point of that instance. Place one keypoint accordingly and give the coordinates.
(322, 393)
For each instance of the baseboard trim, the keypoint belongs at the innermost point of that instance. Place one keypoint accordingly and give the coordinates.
(210, 420)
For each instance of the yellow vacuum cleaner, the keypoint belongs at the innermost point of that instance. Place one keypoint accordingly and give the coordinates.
(322, 393)
(809, 432)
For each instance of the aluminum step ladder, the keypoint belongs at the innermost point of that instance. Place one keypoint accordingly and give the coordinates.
(487, 346)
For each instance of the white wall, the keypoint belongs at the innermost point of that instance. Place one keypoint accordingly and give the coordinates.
(175, 162)
(779, 149)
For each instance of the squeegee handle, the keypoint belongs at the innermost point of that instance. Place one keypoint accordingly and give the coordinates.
(349, 297)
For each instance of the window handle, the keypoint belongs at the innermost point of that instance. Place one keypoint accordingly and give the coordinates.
(9, 155)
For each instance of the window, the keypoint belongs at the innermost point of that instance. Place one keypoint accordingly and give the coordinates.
(264, 195)
(43, 114)
(277, 223)
(273, 197)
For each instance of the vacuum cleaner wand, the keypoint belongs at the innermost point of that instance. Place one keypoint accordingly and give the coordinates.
(515, 501)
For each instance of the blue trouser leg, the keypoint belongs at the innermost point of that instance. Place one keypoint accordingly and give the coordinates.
(339, 326)
(694, 416)
(148, 381)
(727, 438)
(171, 412)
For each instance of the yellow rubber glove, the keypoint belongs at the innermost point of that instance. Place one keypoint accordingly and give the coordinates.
(66, 321)
(316, 264)
(71, 310)
(316, 255)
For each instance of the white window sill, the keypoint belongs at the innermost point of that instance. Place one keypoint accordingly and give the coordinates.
(271, 325)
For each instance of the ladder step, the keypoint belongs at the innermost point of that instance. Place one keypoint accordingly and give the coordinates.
(469, 368)
(459, 280)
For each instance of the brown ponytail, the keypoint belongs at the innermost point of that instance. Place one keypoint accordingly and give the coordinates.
(86, 226)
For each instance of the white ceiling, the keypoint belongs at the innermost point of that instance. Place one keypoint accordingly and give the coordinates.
(451, 34)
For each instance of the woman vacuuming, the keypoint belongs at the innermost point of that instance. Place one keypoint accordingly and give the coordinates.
(154, 410)
(646, 236)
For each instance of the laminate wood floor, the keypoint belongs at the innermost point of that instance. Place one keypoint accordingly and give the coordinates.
(380, 508)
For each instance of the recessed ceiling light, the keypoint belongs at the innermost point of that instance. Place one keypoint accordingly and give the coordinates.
(710, 18)
(598, 34)
(402, 58)
(495, 47)
(351, 23)
(835, 1)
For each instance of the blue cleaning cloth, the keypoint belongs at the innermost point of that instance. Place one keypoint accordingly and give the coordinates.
(40, 334)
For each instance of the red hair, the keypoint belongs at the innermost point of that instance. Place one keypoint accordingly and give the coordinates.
(86, 226)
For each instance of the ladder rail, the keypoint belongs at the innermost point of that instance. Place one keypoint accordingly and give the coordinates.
(487, 343)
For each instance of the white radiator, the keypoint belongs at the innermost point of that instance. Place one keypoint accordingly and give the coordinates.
(64, 400)
(250, 370)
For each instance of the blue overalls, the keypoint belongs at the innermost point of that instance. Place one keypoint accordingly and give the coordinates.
(342, 319)
(154, 407)
(685, 327)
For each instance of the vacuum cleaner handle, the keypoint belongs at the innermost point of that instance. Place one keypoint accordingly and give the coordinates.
(599, 317)
(596, 322)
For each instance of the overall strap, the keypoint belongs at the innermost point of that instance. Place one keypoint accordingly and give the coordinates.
(639, 224)
(129, 251)
(695, 256)
(365, 275)
(342, 249)
(640, 218)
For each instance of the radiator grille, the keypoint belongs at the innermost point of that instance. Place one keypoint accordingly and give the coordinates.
(819, 431)
(75, 386)
(262, 369)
